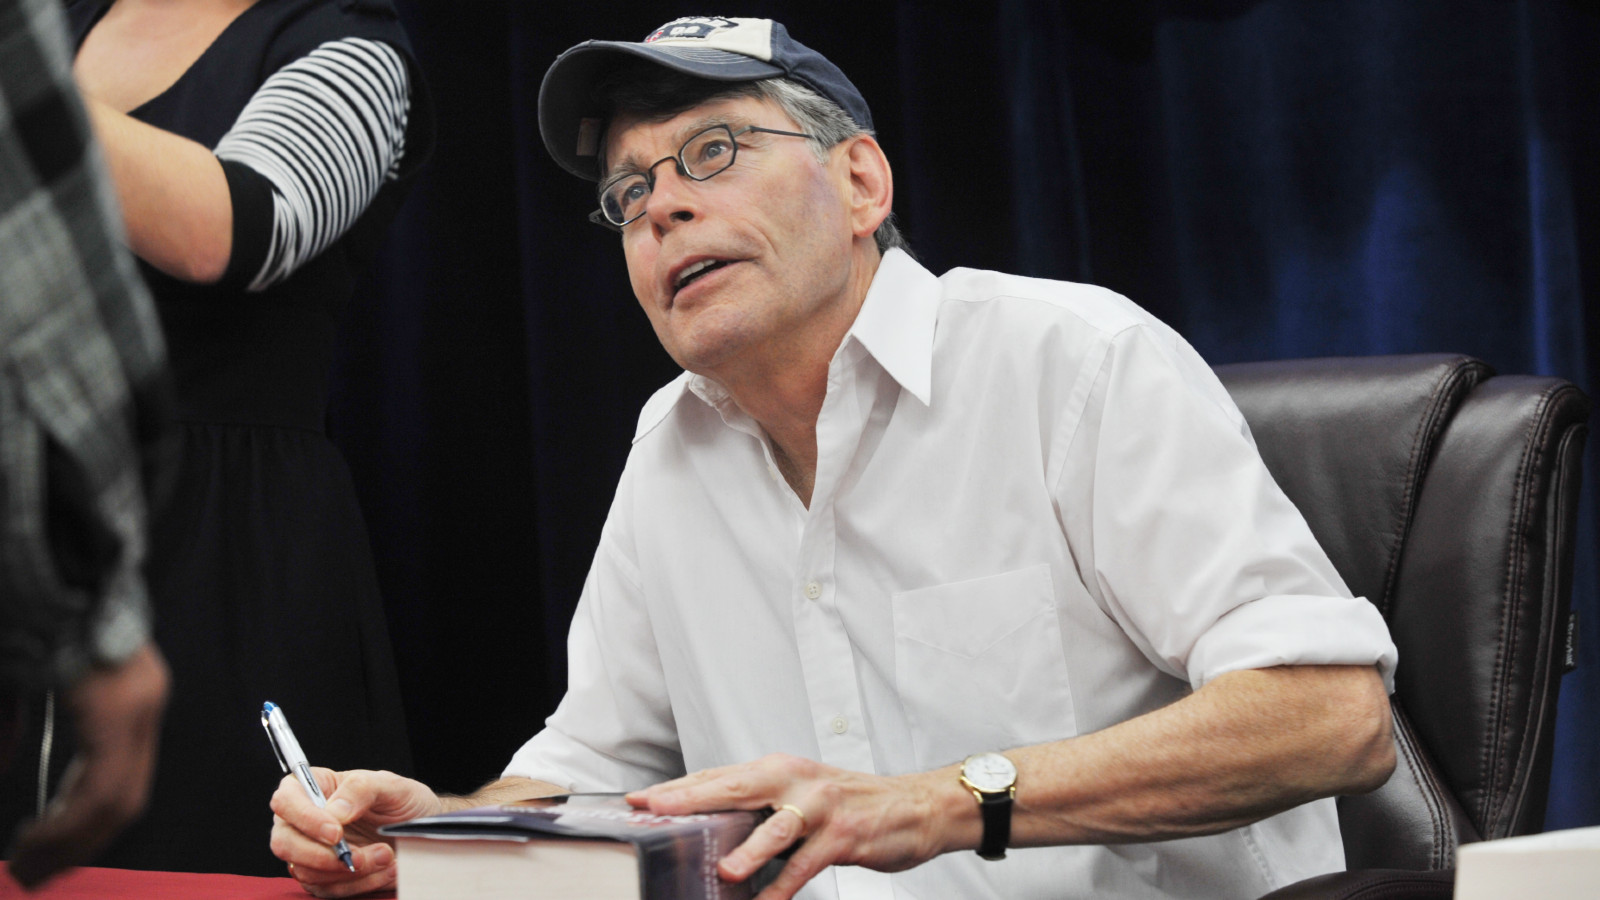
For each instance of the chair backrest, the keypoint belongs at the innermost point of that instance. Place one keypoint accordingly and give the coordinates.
(1447, 496)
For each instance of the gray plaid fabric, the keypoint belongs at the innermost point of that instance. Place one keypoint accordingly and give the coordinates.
(81, 385)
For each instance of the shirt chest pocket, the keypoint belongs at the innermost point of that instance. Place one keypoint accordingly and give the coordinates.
(979, 665)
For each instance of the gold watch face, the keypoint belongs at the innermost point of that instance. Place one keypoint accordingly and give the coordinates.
(989, 772)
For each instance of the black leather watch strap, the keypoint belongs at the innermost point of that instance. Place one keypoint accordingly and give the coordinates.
(996, 812)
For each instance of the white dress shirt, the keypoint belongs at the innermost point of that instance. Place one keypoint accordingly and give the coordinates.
(1036, 514)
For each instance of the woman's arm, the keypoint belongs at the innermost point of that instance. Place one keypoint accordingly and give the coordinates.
(174, 197)
(306, 156)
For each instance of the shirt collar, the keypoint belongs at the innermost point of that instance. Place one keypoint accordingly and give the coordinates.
(896, 322)
(895, 326)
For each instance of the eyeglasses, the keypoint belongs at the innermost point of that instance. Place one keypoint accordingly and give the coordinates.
(707, 154)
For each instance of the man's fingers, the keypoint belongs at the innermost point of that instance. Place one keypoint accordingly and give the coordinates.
(801, 868)
(750, 786)
(733, 791)
(303, 835)
(292, 805)
(350, 795)
(693, 779)
(375, 882)
(320, 871)
(369, 876)
(292, 845)
(778, 833)
(368, 860)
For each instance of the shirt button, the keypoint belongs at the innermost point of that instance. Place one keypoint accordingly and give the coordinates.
(839, 724)
(813, 590)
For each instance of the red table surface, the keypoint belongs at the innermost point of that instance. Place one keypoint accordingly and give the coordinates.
(90, 883)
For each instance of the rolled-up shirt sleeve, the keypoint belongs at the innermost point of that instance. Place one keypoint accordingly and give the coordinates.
(1190, 544)
(614, 729)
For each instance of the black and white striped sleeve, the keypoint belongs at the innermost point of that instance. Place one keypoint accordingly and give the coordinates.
(319, 138)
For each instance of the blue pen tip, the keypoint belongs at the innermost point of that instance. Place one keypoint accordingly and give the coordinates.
(268, 707)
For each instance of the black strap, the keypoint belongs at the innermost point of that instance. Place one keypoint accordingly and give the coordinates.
(996, 812)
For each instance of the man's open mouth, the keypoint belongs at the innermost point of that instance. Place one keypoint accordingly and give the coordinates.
(696, 270)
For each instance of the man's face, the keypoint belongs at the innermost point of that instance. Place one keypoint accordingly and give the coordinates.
(749, 268)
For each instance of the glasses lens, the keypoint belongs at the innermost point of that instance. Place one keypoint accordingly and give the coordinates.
(709, 152)
(623, 200)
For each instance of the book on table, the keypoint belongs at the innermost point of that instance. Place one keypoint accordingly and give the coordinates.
(588, 846)
(1555, 865)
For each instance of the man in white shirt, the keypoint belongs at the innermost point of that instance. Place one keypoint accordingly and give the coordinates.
(923, 564)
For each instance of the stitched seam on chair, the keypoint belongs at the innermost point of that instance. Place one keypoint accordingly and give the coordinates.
(1516, 790)
(1554, 589)
(1402, 516)
(1385, 885)
(1523, 501)
(1405, 745)
(1427, 786)
(1422, 441)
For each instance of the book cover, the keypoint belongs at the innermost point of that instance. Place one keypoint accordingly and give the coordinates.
(574, 845)
(1555, 865)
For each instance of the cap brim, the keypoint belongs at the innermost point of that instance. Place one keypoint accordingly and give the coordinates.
(566, 96)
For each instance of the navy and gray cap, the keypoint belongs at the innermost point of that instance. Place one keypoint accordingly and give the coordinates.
(571, 117)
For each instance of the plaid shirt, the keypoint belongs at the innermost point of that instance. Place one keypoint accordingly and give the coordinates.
(82, 388)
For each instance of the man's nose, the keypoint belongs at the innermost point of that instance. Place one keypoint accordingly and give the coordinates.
(673, 197)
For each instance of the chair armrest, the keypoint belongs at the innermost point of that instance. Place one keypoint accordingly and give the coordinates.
(1371, 884)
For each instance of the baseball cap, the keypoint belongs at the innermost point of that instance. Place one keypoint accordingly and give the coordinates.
(710, 47)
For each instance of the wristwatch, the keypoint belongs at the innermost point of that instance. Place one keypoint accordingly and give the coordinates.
(992, 779)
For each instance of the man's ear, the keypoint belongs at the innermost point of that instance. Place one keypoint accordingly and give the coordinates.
(871, 185)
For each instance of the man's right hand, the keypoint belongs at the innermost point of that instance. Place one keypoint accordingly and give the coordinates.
(359, 803)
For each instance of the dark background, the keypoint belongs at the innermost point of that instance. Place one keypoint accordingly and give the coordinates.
(1274, 179)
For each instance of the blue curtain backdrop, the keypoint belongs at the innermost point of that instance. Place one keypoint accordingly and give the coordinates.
(1274, 179)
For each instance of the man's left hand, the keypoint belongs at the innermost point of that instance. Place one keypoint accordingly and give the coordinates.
(831, 816)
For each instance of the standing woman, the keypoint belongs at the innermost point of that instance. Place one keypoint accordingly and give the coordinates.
(259, 148)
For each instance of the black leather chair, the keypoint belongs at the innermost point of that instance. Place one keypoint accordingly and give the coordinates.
(1447, 496)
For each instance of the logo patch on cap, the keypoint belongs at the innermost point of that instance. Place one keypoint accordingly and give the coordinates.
(746, 37)
(690, 27)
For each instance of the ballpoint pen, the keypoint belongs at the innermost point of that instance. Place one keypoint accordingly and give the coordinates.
(293, 760)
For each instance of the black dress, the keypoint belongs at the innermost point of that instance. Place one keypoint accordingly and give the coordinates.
(261, 574)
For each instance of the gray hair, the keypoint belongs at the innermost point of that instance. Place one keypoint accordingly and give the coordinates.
(657, 95)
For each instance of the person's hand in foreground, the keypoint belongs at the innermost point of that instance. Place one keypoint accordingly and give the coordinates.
(116, 712)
